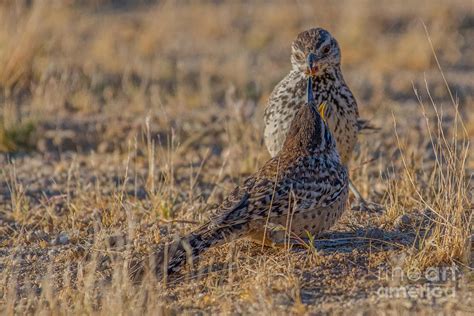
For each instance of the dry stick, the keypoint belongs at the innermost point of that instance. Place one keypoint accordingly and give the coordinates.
(410, 178)
(442, 74)
(201, 165)
(455, 104)
(217, 177)
(402, 155)
(179, 221)
(125, 177)
(446, 179)
(452, 156)
(437, 158)
(363, 163)
(289, 218)
(151, 157)
(271, 205)
(423, 110)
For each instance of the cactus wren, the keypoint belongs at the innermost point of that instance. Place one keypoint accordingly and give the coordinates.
(328, 86)
(303, 189)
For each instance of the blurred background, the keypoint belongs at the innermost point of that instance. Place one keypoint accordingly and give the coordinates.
(77, 75)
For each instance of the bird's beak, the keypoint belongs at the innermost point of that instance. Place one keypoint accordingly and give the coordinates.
(312, 65)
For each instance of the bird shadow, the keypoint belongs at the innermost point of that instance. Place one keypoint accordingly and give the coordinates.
(361, 239)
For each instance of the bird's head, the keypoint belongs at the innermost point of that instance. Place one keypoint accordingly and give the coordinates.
(309, 129)
(318, 46)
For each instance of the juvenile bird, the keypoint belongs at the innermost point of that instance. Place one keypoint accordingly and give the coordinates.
(303, 189)
(329, 88)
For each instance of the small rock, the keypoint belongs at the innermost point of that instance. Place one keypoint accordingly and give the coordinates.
(62, 239)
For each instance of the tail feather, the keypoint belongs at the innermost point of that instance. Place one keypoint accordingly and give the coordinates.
(171, 257)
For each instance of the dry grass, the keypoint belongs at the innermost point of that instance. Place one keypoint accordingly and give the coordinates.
(125, 126)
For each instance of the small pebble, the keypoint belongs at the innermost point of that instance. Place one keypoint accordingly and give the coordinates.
(62, 239)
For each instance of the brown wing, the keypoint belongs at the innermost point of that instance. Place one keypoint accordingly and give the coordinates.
(312, 182)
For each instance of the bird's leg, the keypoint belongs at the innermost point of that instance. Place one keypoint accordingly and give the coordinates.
(275, 236)
(361, 204)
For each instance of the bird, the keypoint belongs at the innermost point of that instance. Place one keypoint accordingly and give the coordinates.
(329, 88)
(303, 189)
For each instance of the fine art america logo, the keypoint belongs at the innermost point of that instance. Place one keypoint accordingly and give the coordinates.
(429, 284)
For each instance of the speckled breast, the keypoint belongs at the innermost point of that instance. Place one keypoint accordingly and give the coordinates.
(344, 128)
(313, 221)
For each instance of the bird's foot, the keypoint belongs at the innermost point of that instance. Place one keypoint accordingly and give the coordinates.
(276, 236)
(362, 205)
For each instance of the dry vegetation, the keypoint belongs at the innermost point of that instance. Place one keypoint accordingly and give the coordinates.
(122, 124)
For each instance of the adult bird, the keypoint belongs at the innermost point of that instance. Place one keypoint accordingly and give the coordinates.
(329, 88)
(303, 189)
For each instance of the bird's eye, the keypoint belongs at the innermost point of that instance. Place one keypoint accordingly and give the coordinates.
(299, 56)
(326, 49)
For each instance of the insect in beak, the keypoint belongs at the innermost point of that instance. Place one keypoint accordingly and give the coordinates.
(322, 110)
